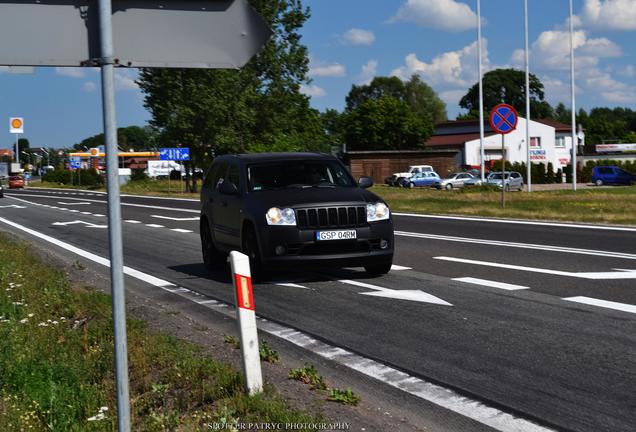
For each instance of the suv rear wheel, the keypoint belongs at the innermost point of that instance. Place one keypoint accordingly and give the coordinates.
(211, 257)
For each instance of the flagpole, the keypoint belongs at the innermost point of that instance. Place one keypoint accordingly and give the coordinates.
(528, 161)
(481, 92)
(574, 138)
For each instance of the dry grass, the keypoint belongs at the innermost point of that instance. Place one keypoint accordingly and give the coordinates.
(615, 205)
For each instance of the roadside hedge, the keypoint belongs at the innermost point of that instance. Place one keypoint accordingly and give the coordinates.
(82, 177)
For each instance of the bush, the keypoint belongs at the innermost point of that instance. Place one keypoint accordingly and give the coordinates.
(88, 177)
(60, 176)
(139, 174)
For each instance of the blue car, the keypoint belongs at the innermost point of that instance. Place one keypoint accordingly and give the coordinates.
(423, 179)
(611, 175)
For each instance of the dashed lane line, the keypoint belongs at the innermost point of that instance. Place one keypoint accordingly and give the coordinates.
(491, 284)
(623, 307)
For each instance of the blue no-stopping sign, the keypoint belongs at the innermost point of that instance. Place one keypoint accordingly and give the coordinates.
(175, 154)
(504, 118)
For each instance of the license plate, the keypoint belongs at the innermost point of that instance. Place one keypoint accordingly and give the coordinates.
(336, 235)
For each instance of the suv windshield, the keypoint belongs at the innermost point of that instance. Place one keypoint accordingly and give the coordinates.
(297, 173)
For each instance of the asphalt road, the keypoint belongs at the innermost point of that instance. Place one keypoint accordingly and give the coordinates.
(514, 336)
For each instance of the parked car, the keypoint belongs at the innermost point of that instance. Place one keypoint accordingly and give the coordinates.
(458, 180)
(423, 179)
(293, 209)
(513, 180)
(611, 175)
(397, 178)
(16, 182)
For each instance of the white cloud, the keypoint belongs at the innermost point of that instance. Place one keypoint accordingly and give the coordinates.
(448, 15)
(313, 91)
(452, 97)
(628, 71)
(125, 80)
(368, 72)
(449, 69)
(358, 37)
(551, 51)
(610, 14)
(73, 72)
(607, 87)
(89, 86)
(333, 70)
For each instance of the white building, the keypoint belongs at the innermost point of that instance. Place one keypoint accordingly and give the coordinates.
(550, 142)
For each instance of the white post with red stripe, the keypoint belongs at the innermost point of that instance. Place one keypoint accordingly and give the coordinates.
(246, 316)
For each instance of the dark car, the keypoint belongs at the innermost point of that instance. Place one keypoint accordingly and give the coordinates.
(293, 209)
(611, 175)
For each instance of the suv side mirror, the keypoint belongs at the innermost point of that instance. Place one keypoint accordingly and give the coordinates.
(228, 188)
(365, 182)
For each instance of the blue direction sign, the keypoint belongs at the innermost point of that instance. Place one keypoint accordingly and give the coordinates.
(504, 118)
(174, 154)
(75, 162)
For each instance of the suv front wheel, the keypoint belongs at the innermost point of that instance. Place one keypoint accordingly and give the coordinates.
(211, 256)
(378, 269)
(250, 248)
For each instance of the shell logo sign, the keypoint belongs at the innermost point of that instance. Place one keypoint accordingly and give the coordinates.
(16, 125)
(94, 152)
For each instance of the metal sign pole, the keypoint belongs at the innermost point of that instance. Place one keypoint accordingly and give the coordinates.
(528, 161)
(503, 171)
(17, 148)
(114, 216)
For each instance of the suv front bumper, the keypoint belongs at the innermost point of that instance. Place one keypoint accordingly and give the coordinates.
(374, 244)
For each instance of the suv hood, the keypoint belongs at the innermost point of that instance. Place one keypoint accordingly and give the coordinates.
(314, 196)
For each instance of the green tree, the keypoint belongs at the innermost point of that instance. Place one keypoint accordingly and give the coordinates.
(513, 84)
(257, 108)
(131, 137)
(386, 123)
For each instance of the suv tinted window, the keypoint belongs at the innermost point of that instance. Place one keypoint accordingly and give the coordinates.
(219, 174)
(233, 176)
(300, 173)
(605, 171)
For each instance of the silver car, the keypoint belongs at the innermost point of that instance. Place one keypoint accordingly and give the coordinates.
(513, 180)
(458, 180)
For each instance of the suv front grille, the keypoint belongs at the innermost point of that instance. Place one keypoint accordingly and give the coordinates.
(331, 217)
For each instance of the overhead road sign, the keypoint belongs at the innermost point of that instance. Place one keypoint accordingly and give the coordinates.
(16, 125)
(503, 119)
(175, 154)
(151, 33)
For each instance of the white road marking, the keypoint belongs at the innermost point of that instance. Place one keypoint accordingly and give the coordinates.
(492, 284)
(629, 274)
(86, 213)
(176, 219)
(74, 211)
(433, 393)
(98, 215)
(519, 222)
(412, 295)
(181, 230)
(131, 221)
(13, 206)
(396, 267)
(182, 210)
(624, 307)
(154, 226)
(601, 253)
(293, 285)
(72, 203)
(88, 224)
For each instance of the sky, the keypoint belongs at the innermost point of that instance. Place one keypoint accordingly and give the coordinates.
(352, 41)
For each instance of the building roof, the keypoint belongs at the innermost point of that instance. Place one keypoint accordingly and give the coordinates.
(453, 140)
(560, 127)
(6, 152)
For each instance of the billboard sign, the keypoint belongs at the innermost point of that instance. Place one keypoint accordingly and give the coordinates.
(16, 125)
(162, 168)
(615, 148)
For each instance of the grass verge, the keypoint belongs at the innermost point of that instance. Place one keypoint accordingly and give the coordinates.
(56, 363)
(615, 205)
(160, 188)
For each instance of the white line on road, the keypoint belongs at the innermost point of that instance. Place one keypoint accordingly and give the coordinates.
(176, 219)
(86, 213)
(622, 274)
(292, 285)
(154, 226)
(131, 221)
(123, 203)
(603, 303)
(72, 203)
(181, 230)
(396, 267)
(436, 394)
(412, 295)
(601, 253)
(492, 284)
(519, 222)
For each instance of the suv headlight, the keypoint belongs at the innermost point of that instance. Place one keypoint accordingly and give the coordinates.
(277, 216)
(377, 212)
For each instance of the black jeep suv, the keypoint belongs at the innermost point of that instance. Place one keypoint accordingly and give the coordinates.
(293, 209)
